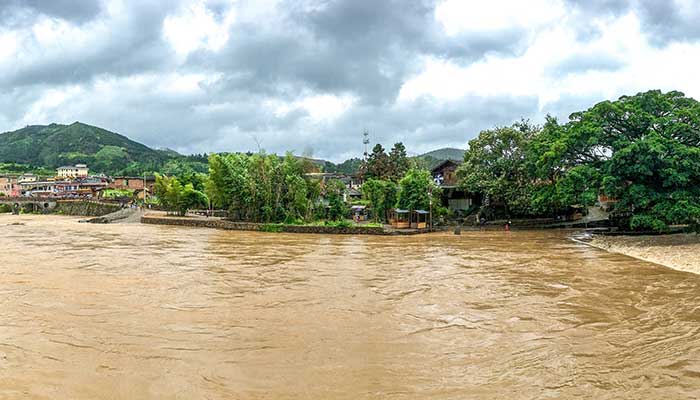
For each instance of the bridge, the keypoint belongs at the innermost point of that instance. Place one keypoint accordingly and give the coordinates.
(45, 204)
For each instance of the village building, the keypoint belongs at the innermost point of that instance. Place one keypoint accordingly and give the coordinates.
(28, 177)
(134, 183)
(72, 188)
(72, 171)
(9, 186)
(454, 197)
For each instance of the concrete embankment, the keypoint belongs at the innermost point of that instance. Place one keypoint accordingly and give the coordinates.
(122, 216)
(84, 208)
(249, 226)
(677, 251)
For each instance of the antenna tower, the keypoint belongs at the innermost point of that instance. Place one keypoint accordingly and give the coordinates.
(365, 141)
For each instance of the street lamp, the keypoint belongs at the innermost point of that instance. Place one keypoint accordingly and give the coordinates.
(430, 202)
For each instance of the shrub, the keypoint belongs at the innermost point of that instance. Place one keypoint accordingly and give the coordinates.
(271, 228)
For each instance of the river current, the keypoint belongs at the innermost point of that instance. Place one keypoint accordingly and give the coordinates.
(156, 312)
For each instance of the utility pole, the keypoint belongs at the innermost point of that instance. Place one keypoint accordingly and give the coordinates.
(430, 202)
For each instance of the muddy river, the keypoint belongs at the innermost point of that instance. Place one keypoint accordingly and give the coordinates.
(154, 312)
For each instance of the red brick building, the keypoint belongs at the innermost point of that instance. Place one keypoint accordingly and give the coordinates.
(132, 183)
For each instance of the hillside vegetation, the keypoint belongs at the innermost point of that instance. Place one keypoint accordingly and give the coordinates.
(49, 146)
(42, 148)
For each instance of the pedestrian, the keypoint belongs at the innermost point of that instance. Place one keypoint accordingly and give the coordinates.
(508, 226)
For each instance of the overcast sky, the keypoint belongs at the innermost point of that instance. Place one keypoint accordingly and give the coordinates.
(310, 75)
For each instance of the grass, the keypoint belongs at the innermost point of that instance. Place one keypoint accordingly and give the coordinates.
(345, 223)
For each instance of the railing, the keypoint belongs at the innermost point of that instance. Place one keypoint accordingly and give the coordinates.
(26, 199)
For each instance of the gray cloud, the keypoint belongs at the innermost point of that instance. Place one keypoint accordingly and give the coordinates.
(665, 21)
(580, 63)
(363, 49)
(132, 44)
(21, 11)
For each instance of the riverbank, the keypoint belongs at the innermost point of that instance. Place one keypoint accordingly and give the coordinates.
(677, 251)
(218, 223)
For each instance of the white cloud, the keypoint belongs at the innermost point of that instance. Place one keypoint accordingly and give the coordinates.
(209, 75)
(195, 27)
(535, 71)
(459, 16)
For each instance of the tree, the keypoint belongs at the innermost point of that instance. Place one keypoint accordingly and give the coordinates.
(381, 196)
(175, 196)
(398, 163)
(335, 193)
(496, 165)
(377, 163)
(263, 188)
(642, 150)
(415, 190)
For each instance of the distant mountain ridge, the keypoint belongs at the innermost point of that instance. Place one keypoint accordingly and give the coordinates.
(53, 145)
(50, 146)
(446, 153)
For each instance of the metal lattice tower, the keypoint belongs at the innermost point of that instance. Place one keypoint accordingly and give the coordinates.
(365, 141)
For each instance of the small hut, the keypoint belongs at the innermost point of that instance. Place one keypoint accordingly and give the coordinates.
(359, 213)
(400, 219)
(419, 219)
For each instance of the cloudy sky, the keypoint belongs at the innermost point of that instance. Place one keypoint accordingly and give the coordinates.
(310, 75)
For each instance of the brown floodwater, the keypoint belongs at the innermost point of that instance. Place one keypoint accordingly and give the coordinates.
(155, 312)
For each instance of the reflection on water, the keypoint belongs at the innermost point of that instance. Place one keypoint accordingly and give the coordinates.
(145, 312)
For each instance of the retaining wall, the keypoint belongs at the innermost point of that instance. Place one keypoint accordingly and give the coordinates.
(249, 226)
(84, 208)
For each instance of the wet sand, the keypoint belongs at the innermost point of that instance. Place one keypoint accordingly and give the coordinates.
(678, 251)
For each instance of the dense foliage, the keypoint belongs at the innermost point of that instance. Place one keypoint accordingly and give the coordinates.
(417, 191)
(381, 197)
(176, 197)
(263, 188)
(642, 151)
(380, 165)
(348, 167)
(103, 151)
(496, 166)
(17, 169)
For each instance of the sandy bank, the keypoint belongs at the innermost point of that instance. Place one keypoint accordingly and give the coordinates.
(679, 251)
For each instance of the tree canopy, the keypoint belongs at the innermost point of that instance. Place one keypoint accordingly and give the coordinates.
(263, 188)
(642, 151)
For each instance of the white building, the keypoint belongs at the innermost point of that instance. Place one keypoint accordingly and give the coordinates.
(72, 171)
(27, 178)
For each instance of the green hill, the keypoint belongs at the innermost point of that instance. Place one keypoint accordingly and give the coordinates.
(433, 158)
(447, 153)
(54, 145)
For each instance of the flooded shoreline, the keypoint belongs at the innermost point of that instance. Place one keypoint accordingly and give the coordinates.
(679, 251)
(144, 311)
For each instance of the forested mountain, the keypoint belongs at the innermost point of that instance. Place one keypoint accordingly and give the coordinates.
(42, 148)
(433, 158)
(447, 153)
(54, 145)
(50, 146)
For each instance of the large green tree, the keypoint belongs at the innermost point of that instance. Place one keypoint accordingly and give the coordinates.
(262, 188)
(642, 150)
(381, 197)
(176, 197)
(496, 165)
(398, 163)
(416, 190)
(377, 165)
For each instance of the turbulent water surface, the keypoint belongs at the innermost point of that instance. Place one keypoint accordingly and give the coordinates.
(152, 312)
